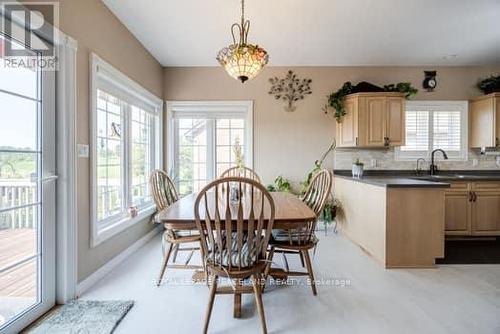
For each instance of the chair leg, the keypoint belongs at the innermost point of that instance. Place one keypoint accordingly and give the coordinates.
(268, 267)
(237, 299)
(213, 290)
(176, 250)
(258, 300)
(164, 264)
(302, 259)
(310, 270)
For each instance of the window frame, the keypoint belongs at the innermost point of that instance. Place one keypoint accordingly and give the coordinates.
(433, 106)
(103, 74)
(214, 110)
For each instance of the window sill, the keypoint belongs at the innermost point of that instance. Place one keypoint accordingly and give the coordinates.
(112, 229)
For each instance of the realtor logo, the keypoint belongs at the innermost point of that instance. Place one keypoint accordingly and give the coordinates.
(29, 29)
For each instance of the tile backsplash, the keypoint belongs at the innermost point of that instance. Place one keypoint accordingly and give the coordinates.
(385, 159)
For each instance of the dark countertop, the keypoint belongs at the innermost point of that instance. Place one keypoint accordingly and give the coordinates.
(405, 178)
(395, 181)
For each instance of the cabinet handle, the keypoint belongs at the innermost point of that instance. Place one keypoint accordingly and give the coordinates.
(386, 141)
(470, 196)
(497, 142)
(474, 196)
(356, 141)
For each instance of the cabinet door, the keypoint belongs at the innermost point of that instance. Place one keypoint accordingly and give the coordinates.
(482, 123)
(457, 213)
(395, 121)
(374, 115)
(486, 213)
(347, 129)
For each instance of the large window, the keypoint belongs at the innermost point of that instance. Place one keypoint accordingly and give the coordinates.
(204, 140)
(435, 124)
(126, 148)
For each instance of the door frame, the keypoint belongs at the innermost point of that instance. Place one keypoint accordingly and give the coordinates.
(65, 246)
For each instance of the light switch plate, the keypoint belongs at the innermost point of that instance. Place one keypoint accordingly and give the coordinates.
(475, 162)
(83, 150)
(373, 163)
(498, 160)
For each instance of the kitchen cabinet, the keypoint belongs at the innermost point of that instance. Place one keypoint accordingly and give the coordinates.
(372, 120)
(457, 219)
(484, 121)
(473, 209)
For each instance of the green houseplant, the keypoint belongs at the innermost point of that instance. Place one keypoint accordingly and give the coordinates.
(336, 99)
(280, 184)
(489, 85)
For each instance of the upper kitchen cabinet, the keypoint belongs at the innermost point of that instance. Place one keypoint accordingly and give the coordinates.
(484, 120)
(372, 120)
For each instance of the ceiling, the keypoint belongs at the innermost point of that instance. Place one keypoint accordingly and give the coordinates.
(320, 32)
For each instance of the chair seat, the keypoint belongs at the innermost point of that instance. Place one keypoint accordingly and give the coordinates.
(185, 233)
(248, 259)
(292, 239)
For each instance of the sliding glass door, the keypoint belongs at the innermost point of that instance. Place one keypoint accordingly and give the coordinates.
(27, 193)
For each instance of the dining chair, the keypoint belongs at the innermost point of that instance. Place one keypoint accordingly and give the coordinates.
(235, 225)
(241, 172)
(164, 194)
(300, 241)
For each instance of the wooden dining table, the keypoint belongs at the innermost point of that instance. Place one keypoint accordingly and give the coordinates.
(290, 213)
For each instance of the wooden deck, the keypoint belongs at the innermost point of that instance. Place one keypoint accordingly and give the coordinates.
(21, 280)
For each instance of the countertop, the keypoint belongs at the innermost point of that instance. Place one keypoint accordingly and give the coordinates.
(408, 179)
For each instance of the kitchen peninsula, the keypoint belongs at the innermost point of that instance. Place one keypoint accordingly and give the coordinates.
(398, 221)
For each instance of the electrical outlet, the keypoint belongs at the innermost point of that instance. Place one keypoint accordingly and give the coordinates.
(475, 162)
(373, 163)
(83, 150)
(498, 160)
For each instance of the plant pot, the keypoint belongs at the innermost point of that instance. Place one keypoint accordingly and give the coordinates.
(357, 171)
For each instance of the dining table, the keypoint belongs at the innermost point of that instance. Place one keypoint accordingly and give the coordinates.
(290, 213)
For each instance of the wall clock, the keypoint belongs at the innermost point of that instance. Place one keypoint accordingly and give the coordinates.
(430, 81)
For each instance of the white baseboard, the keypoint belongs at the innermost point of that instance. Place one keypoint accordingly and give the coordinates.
(114, 262)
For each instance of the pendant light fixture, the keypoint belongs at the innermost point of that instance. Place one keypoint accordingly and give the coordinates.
(241, 60)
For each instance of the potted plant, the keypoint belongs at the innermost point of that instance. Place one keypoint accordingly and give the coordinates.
(357, 169)
(330, 212)
(489, 85)
(280, 184)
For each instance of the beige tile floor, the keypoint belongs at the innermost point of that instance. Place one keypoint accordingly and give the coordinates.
(447, 299)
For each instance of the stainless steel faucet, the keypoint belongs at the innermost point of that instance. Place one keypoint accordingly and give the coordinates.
(418, 169)
(433, 168)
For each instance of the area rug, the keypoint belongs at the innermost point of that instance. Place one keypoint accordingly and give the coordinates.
(83, 317)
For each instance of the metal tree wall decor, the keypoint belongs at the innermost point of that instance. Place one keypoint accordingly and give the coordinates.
(290, 89)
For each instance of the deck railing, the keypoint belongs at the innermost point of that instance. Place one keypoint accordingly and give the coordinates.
(20, 195)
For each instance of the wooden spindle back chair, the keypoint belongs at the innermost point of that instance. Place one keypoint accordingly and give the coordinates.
(241, 172)
(165, 194)
(235, 217)
(300, 241)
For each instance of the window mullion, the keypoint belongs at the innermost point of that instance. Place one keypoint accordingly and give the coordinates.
(126, 156)
(211, 149)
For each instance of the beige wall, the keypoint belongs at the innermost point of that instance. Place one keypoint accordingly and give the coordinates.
(289, 142)
(97, 30)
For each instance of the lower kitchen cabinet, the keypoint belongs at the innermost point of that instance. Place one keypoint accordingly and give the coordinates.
(473, 209)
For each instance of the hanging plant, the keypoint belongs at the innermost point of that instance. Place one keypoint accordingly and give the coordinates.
(402, 87)
(336, 99)
(489, 85)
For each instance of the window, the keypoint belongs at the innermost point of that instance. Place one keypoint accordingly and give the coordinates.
(435, 124)
(126, 148)
(204, 137)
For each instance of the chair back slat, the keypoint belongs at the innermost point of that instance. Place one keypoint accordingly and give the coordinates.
(248, 216)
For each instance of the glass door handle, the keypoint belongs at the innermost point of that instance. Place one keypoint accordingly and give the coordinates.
(49, 178)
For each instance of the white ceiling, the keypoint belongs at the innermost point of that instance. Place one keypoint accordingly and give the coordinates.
(320, 32)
